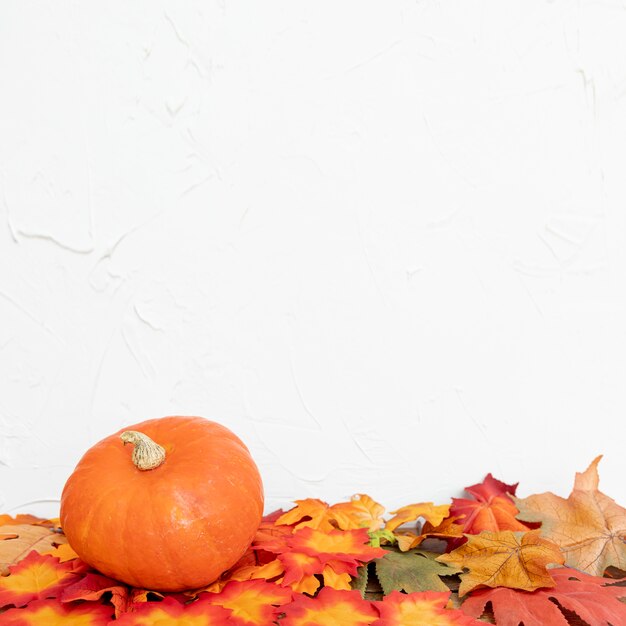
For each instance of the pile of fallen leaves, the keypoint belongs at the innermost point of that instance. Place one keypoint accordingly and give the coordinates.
(537, 561)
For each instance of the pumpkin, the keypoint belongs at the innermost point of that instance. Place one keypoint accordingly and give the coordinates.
(171, 511)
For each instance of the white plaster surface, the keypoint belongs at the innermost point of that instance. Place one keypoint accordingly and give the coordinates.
(384, 242)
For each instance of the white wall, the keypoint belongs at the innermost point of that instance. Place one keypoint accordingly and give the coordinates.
(384, 242)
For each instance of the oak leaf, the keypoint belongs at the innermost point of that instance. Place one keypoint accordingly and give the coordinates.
(18, 540)
(171, 612)
(589, 526)
(412, 571)
(53, 613)
(420, 609)
(37, 577)
(592, 598)
(331, 608)
(505, 559)
(491, 508)
(253, 602)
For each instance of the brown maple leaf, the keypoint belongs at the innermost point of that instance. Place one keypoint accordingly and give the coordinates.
(17, 540)
(505, 559)
(588, 526)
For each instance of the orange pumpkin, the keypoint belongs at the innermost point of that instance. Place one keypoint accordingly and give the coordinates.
(170, 512)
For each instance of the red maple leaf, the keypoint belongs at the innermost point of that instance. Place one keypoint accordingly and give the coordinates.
(93, 587)
(491, 509)
(590, 597)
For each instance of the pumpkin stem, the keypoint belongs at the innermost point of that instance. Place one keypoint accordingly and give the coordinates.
(147, 454)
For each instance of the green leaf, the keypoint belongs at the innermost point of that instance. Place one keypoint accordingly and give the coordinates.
(415, 570)
(359, 581)
(377, 535)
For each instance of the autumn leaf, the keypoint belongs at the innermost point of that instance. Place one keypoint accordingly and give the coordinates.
(505, 559)
(53, 613)
(352, 545)
(309, 513)
(330, 608)
(36, 577)
(64, 552)
(420, 609)
(590, 597)
(412, 571)
(491, 509)
(432, 513)
(253, 602)
(170, 612)
(360, 512)
(589, 526)
(18, 540)
(93, 587)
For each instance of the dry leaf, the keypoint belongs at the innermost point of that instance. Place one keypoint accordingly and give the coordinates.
(505, 559)
(18, 540)
(589, 526)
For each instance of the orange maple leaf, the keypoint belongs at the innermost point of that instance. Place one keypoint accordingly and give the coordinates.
(53, 613)
(37, 577)
(64, 552)
(589, 526)
(345, 545)
(18, 540)
(424, 608)
(505, 559)
(310, 512)
(432, 513)
(331, 608)
(172, 612)
(253, 602)
(360, 512)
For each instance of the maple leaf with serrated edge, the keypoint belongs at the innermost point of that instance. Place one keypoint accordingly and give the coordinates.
(64, 552)
(53, 613)
(346, 545)
(491, 509)
(253, 602)
(412, 571)
(18, 540)
(360, 512)
(37, 577)
(432, 513)
(330, 608)
(594, 599)
(93, 587)
(589, 526)
(505, 559)
(310, 512)
(425, 608)
(171, 612)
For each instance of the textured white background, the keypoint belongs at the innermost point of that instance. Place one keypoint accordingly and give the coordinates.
(384, 242)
